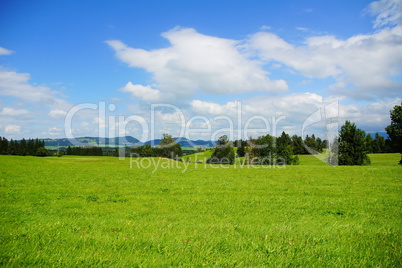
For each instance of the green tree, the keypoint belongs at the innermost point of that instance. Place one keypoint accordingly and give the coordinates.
(23, 148)
(369, 143)
(394, 130)
(223, 153)
(352, 146)
(284, 140)
(241, 147)
(31, 147)
(169, 147)
(264, 150)
(146, 151)
(41, 151)
(378, 144)
(297, 145)
(3, 145)
(325, 144)
(311, 142)
(13, 147)
(284, 151)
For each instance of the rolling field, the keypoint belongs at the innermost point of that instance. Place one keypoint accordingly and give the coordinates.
(100, 212)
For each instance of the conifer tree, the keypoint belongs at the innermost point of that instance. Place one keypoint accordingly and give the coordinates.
(352, 146)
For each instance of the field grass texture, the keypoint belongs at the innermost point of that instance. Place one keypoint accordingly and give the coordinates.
(105, 212)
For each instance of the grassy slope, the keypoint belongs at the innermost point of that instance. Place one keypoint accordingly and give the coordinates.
(90, 211)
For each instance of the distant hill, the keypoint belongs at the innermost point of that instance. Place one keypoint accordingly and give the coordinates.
(94, 141)
(185, 142)
(131, 141)
(127, 141)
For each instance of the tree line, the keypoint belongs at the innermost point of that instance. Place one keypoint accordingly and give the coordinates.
(33, 147)
(264, 150)
(295, 142)
(349, 148)
(167, 148)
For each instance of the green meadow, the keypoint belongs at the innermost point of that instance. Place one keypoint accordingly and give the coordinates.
(105, 212)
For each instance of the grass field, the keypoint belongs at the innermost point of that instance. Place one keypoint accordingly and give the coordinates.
(99, 212)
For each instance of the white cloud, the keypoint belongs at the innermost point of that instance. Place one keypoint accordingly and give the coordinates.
(290, 110)
(9, 111)
(57, 113)
(13, 129)
(204, 107)
(373, 117)
(36, 107)
(294, 109)
(146, 93)
(368, 62)
(387, 12)
(16, 85)
(5, 52)
(199, 62)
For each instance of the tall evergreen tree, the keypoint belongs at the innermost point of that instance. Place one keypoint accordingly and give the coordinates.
(297, 145)
(284, 150)
(23, 148)
(13, 147)
(312, 143)
(352, 146)
(369, 143)
(3, 145)
(378, 144)
(394, 130)
(31, 147)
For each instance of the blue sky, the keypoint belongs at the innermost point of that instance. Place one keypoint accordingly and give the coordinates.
(275, 58)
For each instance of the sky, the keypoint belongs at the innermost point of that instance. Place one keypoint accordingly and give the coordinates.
(197, 69)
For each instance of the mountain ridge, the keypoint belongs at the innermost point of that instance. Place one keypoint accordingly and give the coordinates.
(119, 141)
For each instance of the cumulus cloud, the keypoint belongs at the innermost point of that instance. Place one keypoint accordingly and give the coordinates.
(199, 62)
(364, 66)
(367, 62)
(146, 93)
